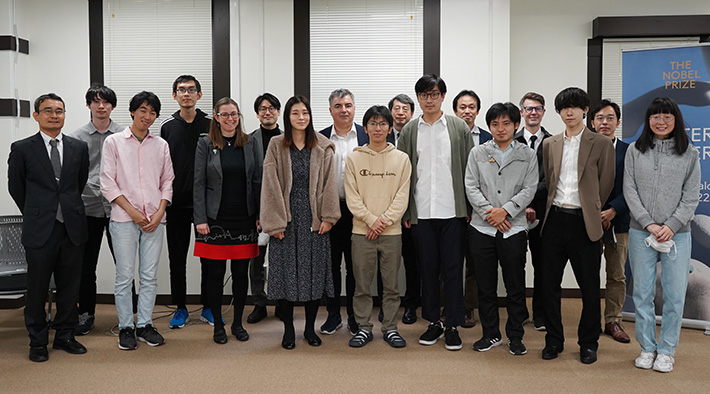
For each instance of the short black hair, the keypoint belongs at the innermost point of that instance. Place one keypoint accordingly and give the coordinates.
(98, 90)
(603, 104)
(144, 97)
(571, 98)
(186, 78)
(499, 109)
(268, 97)
(428, 82)
(48, 96)
(375, 111)
(467, 93)
(402, 98)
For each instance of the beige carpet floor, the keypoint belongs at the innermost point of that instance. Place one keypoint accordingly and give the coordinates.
(190, 362)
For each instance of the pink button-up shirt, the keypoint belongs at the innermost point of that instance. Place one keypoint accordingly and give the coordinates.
(140, 171)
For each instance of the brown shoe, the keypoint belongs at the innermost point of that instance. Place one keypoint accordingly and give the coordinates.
(617, 332)
(469, 320)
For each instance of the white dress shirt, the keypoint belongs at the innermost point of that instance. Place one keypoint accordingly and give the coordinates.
(567, 193)
(476, 135)
(343, 147)
(538, 141)
(60, 145)
(434, 191)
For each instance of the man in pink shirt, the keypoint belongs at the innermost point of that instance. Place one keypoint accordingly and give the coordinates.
(137, 177)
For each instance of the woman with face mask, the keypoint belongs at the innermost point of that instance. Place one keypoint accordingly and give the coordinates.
(661, 187)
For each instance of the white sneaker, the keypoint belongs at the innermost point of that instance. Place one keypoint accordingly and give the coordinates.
(663, 363)
(645, 360)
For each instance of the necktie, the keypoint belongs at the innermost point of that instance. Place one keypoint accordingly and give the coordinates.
(532, 141)
(57, 167)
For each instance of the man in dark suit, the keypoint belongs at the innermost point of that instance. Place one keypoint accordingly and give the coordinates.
(615, 219)
(46, 174)
(579, 169)
(467, 104)
(346, 135)
(532, 109)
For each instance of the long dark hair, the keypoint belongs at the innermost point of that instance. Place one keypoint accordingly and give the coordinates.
(663, 105)
(215, 133)
(311, 139)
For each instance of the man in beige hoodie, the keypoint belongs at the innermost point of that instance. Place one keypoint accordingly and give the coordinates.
(377, 180)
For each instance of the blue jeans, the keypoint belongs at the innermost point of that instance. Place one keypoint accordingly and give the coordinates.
(127, 238)
(674, 282)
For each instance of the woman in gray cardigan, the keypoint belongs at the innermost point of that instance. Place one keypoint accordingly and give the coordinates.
(661, 187)
(228, 168)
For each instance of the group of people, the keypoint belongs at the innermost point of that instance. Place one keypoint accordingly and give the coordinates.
(435, 190)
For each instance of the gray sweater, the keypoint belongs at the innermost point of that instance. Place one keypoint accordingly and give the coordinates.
(510, 185)
(662, 187)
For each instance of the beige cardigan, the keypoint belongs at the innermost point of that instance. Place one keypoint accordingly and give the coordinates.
(277, 181)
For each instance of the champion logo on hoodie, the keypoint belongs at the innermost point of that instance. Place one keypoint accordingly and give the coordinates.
(366, 172)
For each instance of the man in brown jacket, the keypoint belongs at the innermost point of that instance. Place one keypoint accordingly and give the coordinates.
(579, 168)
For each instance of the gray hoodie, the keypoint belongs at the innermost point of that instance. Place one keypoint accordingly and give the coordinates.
(662, 187)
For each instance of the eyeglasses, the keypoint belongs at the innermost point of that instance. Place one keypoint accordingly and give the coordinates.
(609, 118)
(226, 115)
(373, 124)
(666, 118)
(49, 111)
(188, 90)
(263, 110)
(432, 95)
(539, 108)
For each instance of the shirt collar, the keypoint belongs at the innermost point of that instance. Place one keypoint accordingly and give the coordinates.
(475, 130)
(47, 138)
(350, 134)
(110, 129)
(127, 133)
(442, 119)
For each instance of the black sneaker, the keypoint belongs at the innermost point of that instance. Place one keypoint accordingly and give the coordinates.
(353, 327)
(126, 339)
(332, 323)
(432, 334)
(393, 338)
(452, 339)
(86, 323)
(257, 315)
(361, 338)
(485, 344)
(539, 324)
(516, 346)
(149, 335)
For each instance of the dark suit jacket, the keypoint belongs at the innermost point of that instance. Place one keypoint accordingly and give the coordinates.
(484, 136)
(32, 185)
(362, 137)
(207, 191)
(616, 198)
(595, 171)
(540, 198)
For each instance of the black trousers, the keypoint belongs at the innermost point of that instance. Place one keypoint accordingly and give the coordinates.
(257, 277)
(535, 246)
(440, 248)
(470, 290)
(87, 291)
(565, 238)
(58, 256)
(487, 253)
(179, 228)
(215, 284)
(341, 246)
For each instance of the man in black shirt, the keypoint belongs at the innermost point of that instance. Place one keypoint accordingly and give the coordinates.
(268, 109)
(181, 131)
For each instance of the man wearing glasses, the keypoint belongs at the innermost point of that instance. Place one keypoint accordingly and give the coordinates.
(268, 109)
(438, 146)
(181, 131)
(532, 109)
(46, 174)
(615, 220)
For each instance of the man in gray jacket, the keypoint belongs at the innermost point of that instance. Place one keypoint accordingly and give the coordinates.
(501, 179)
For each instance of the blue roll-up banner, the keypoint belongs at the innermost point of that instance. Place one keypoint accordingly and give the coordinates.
(683, 74)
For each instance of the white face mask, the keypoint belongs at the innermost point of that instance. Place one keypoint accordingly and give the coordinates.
(663, 247)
